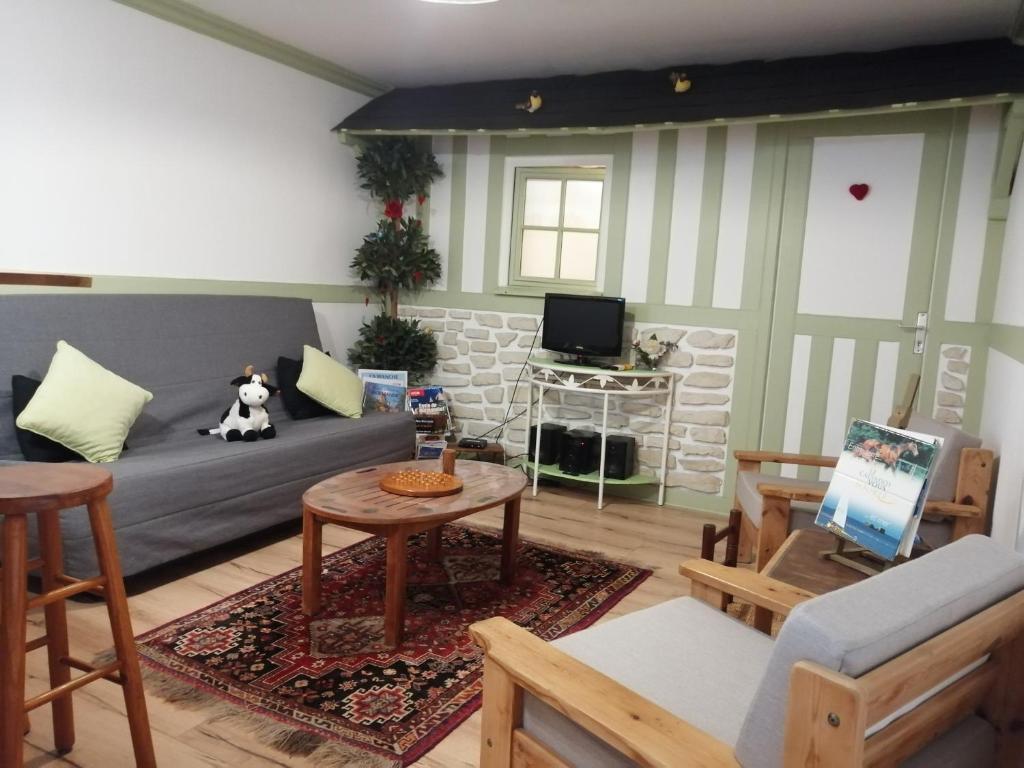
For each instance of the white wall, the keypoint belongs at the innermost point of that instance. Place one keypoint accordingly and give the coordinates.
(131, 146)
(1002, 423)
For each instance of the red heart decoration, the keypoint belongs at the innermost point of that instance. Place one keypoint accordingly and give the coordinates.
(859, 191)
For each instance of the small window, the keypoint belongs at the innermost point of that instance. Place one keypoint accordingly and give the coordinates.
(556, 226)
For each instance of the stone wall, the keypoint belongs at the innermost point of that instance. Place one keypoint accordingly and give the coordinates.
(951, 383)
(481, 356)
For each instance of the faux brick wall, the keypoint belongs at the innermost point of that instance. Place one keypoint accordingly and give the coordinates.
(951, 383)
(482, 353)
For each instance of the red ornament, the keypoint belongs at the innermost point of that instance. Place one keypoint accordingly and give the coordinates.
(859, 191)
(393, 209)
(417, 277)
(421, 199)
(380, 339)
(366, 301)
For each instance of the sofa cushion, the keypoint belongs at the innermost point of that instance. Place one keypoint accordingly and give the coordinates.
(970, 744)
(750, 498)
(683, 655)
(330, 383)
(855, 629)
(945, 466)
(35, 447)
(83, 406)
(298, 405)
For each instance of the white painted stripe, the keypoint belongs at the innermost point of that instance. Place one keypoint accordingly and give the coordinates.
(972, 212)
(478, 162)
(839, 381)
(797, 398)
(440, 204)
(734, 215)
(687, 195)
(640, 215)
(885, 381)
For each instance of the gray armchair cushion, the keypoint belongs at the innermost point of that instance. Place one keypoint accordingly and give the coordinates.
(856, 629)
(682, 655)
(750, 498)
(947, 464)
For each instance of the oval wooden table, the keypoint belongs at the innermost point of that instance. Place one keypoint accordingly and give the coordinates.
(354, 500)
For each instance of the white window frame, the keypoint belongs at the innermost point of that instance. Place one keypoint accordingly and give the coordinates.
(506, 250)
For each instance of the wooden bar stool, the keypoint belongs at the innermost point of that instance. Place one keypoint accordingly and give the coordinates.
(43, 490)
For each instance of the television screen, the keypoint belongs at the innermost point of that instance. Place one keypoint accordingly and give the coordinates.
(583, 325)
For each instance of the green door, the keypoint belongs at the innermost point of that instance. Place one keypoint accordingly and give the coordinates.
(857, 241)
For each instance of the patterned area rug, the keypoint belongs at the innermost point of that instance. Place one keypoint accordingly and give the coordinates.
(328, 689)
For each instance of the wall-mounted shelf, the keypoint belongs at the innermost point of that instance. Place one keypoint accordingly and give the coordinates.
(547, 374)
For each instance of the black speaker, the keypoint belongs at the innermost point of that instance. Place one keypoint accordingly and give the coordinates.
(550, 442)
(619, 456)
(578, 447)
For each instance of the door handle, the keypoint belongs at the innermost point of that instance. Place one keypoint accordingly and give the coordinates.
(920, 330)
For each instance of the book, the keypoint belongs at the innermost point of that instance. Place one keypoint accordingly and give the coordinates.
(426, 399)
(430, 449)
(879, 488)
(385, 398)
(397, 378)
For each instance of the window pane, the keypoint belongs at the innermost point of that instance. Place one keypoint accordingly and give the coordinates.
(539, 248)
(579, 256)
(543, 199)
(583, 204)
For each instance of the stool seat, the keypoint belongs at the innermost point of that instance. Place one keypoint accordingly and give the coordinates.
(43, 490)
(35, 486)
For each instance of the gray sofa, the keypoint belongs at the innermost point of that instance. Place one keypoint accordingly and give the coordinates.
(176, 492)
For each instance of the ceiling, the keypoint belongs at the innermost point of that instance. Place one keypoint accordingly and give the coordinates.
(410, 42)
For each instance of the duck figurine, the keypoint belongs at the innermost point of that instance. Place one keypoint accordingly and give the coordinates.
(680, 83)
(532, 103)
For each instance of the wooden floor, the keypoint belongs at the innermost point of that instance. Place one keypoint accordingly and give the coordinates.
(643, 534)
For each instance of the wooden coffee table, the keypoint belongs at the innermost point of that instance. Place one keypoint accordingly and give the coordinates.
(354, 500)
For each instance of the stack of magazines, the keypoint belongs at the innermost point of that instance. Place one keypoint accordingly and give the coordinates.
(879, 488)
(383, 391)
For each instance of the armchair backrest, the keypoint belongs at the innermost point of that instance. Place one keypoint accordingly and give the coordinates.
(947, 463)
(858, 628)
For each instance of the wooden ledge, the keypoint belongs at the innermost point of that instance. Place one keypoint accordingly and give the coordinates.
(777, 457)
(750, 586)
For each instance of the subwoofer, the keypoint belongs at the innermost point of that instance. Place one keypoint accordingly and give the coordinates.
(550, 442)
(619, 456)
(578, 451)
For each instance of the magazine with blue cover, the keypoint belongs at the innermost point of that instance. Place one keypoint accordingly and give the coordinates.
(879, 488)
(385, 398)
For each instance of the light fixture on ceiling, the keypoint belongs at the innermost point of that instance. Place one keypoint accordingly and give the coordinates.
(459, 2)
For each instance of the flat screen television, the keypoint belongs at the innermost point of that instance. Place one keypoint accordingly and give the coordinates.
(583, 326)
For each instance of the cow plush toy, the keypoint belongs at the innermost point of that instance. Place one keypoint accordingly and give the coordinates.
(247, 418)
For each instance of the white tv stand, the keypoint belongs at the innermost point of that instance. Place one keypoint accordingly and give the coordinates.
(547, 374)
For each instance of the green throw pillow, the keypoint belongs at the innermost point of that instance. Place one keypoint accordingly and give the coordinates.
(330, 383)
(83, 406)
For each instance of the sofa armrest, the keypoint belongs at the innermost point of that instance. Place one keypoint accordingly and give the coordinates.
(942, 509)
(777, 457)
(641, 730)
(752, 587)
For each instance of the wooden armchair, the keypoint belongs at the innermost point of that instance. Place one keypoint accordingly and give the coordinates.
(859, 692)
(958, 498)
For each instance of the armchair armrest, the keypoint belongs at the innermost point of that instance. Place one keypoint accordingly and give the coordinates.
(776, 457)
(791, 492)
(932, 509)
(755, 588)
(646, 733)
(949, 509)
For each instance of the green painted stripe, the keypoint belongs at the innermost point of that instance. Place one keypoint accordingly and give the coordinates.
(1008, 339)
(865, 359)
(186, 15)
(710, 208)
(615, 252)
(765, 195)
(661, 225)
(819, 371)
(991, 264)
(495, 188)
(457, 226)
(1009, 149)
(975, 394)
(850, 327)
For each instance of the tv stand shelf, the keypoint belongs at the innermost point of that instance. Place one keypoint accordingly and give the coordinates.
(545, 374)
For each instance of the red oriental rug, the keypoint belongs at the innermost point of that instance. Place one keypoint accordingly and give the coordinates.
(328, 689)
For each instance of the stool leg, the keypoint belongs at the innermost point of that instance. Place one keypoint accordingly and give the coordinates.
(13, 602)
(121, 628)
(56, 629)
